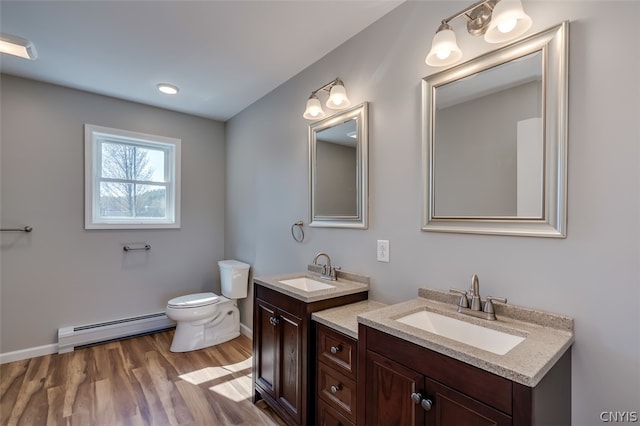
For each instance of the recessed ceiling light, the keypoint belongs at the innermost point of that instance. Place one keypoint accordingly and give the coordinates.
(18, 46)
(169, 89)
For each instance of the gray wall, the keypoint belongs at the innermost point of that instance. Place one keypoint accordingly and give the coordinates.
(592, 275)
(476, 160)
(61, 274)
(336, 179)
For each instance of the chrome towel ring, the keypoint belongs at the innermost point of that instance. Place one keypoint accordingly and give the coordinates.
(299, 235)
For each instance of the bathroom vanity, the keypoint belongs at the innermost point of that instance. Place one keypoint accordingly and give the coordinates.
(284, 339)
(337, 363)
(411, 376)
(362, 362)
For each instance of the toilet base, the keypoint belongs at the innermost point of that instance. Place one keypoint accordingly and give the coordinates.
(191, 336)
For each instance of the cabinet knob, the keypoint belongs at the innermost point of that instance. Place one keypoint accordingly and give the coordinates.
(335, 349)
(336, 388)
(273, 321)
(425, 403)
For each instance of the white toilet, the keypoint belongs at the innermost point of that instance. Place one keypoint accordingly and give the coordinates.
(206, 319)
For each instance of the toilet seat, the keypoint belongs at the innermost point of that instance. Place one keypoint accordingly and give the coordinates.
(195, 300)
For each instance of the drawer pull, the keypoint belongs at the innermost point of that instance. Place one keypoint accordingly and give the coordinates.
(335, 349)
(336, 388)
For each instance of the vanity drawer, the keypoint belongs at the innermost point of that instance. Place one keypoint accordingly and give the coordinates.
(328, 416)
(338, 351)
(337, 390)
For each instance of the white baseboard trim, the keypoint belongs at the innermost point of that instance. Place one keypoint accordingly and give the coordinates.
(28, 353)
(246, 331)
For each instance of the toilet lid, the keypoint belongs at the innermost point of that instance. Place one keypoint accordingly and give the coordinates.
(193, 300)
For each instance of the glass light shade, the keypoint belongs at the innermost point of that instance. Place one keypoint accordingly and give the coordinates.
(444, 49)
(508, 22)
(338, 97)
(17, 46)
(314, 110)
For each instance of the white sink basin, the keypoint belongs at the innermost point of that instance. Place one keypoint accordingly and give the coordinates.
(307, 284)
(488, 339)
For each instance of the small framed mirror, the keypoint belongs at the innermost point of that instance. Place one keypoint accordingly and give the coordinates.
(338, 169)
(495, 141)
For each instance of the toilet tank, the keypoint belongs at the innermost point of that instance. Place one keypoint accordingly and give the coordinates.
(234, 278)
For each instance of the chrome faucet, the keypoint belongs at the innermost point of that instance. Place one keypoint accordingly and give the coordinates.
(476, 307)
(328, 272)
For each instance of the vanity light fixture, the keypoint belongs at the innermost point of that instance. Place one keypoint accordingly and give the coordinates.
(168, 89)
(337, 100)
(17, 46)
(498, 20)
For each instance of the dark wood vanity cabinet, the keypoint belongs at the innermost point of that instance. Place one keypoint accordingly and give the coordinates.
(405, 384)
(337, 368)
(284, 351)
(279, 345)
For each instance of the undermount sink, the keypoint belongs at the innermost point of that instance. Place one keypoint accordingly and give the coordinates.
(307, 284)
(480, 337)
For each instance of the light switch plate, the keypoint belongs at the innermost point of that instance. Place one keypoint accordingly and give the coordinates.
(383, 251)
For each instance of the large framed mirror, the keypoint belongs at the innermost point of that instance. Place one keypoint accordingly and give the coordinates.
(338, 169)
(495, 141)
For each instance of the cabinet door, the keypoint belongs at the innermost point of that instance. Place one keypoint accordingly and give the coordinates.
(452, 408)
(266, 357)
(388, 393)
(289, 391)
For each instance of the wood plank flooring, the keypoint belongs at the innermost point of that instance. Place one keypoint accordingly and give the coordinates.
(135, 381)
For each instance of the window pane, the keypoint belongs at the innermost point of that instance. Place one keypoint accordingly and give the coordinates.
(130, 162)
(122, 200)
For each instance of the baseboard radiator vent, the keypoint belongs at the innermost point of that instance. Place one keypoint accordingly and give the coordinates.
(70, 338)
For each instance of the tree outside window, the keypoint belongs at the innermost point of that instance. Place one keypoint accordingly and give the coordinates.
(133, 179)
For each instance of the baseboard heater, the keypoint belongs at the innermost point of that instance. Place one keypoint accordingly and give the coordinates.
(70, 338)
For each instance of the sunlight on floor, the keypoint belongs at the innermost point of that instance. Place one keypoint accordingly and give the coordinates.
(207, 374)
(235, 389)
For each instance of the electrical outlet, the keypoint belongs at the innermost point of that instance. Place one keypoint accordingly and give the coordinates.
(383, 251)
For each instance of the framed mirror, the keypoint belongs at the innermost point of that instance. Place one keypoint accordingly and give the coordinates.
(495, 141)
(338, 174)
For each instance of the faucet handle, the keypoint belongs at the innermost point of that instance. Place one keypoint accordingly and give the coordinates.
(488, 305)
(464, 300)
(333, 272)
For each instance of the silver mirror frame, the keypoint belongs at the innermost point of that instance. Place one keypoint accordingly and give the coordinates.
(360, 221)
(553, 43)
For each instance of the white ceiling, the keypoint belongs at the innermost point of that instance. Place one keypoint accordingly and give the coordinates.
(224, 55)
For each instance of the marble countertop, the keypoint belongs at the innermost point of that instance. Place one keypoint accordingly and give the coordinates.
(547, 336)
(347, 283)
(345, 318)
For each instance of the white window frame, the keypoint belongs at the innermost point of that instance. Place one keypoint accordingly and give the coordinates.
(93, 138)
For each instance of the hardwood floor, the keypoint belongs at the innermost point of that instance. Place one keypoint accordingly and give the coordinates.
(136, 381)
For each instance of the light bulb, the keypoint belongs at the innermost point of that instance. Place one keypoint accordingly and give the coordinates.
(338, 97)
(314, 109)
(443, 54)
(507, 26)
(444, 48)
(508, 21)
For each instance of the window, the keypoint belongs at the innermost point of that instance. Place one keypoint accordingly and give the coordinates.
(132, 180)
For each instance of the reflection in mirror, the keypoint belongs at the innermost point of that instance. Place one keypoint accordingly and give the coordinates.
(338, 149)
(336, 170)
(494, 146)
(484, 166)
